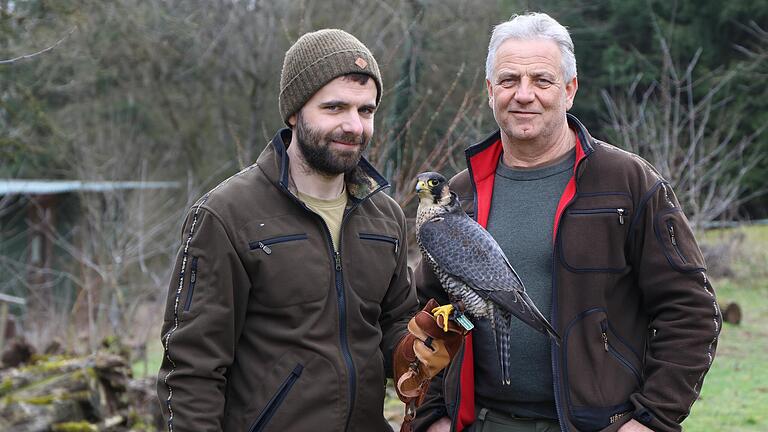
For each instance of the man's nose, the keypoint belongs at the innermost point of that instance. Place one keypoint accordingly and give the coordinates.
(353, 123)
(525, 92)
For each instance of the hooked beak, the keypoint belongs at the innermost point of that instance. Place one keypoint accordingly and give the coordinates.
(420, 186)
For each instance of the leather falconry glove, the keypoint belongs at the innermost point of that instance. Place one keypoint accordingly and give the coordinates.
(421, 354)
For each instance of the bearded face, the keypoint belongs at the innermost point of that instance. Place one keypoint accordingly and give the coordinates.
(329, 152)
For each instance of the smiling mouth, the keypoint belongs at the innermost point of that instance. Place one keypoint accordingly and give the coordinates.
(346, 144)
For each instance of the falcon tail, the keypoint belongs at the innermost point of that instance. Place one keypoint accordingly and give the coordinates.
(543, 326)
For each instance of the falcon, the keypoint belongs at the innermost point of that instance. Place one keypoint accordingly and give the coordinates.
(472, 269)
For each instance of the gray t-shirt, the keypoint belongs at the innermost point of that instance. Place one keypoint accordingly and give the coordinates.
(521, 220)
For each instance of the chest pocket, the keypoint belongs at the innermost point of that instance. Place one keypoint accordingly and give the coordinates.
(370, 260)
(673, 232)
(593, 233)
(287, 265)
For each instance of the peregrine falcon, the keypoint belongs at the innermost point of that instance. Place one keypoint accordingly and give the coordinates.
(472, 268)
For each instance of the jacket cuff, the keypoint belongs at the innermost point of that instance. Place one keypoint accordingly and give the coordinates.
(425, 419)
(651, 420)
(644, 416)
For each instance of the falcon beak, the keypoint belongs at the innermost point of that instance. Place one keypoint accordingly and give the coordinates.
(420, 186)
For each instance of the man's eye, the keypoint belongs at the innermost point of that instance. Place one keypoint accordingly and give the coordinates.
(544, 82)
(507, 82)
(368, 111)
(332, 108)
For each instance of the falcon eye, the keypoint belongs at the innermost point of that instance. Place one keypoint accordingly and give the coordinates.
(432, 182)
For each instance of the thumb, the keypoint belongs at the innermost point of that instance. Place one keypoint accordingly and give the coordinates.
(435, 359)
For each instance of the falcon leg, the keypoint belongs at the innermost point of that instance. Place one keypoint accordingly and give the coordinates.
(444, 311)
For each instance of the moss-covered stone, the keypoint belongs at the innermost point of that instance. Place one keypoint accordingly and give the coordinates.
(6, 386)
(49, 399)
(81, 426)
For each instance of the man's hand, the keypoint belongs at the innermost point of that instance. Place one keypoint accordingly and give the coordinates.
(432, 353)
(634, 426)
(423, 352)
(442, 425)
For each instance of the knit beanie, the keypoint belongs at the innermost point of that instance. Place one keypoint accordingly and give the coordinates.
(316, 59)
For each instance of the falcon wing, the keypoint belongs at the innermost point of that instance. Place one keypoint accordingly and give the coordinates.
(465, 250)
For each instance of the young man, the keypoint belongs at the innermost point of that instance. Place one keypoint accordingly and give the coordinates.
(604, 249)
(291, 287)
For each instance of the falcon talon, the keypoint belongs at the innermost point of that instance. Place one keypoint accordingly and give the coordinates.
(445, 312)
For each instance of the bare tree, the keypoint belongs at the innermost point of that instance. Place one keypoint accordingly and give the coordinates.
(692, 132)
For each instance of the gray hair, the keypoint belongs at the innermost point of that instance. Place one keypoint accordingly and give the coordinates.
(533, 26)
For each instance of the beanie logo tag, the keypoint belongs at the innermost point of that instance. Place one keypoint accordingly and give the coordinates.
(361, 63)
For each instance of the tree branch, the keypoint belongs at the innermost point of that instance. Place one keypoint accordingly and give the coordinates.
(29, 56)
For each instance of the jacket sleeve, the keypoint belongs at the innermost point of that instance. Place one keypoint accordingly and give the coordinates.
(433, 407)
(399, 304)
(684, 317)
(203, 317)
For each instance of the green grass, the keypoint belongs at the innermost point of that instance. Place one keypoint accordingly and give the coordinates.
(735, 393)
(154, 357)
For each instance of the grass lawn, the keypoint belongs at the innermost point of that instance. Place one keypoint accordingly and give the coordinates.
(154, 357)
(735, 393)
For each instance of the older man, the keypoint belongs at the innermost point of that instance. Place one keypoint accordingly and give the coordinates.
(604, 249)
(291, 287)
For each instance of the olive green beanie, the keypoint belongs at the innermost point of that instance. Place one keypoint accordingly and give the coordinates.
(316, 59)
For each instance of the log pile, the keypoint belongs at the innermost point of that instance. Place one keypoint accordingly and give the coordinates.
(72, 394)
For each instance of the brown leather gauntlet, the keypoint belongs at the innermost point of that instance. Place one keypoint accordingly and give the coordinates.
(422, 354)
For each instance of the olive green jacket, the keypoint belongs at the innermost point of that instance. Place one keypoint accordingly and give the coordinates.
(266, 327)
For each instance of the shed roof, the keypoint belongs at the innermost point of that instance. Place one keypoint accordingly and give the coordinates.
(45, 187)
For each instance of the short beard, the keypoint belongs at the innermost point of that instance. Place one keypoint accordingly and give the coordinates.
(318, 155)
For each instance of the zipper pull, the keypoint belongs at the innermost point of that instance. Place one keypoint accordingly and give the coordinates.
(397, 245)
(604, 334)
(621, 212)
(672, 234)
(267, 250)
(605, 341)
(337, 258)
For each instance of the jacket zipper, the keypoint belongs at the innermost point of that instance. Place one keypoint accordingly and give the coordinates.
(609, 348)
(383, 238)
(264, 244)
(277, 399)
(457, 398)
(562, 419)
(192, 280)
(342, 305)
(339, 279)
(620, 212)
(673, 239)
(336, 266)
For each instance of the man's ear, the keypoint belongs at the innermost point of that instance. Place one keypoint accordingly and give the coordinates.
(292, 120)
(489, 86)
(570, 92)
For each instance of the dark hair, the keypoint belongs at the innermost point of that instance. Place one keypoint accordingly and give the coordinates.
(359, 78)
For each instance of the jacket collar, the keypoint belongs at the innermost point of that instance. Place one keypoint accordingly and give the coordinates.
(483, 158)
(363, 182)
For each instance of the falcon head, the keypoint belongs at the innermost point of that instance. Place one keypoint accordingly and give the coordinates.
(432, 188)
